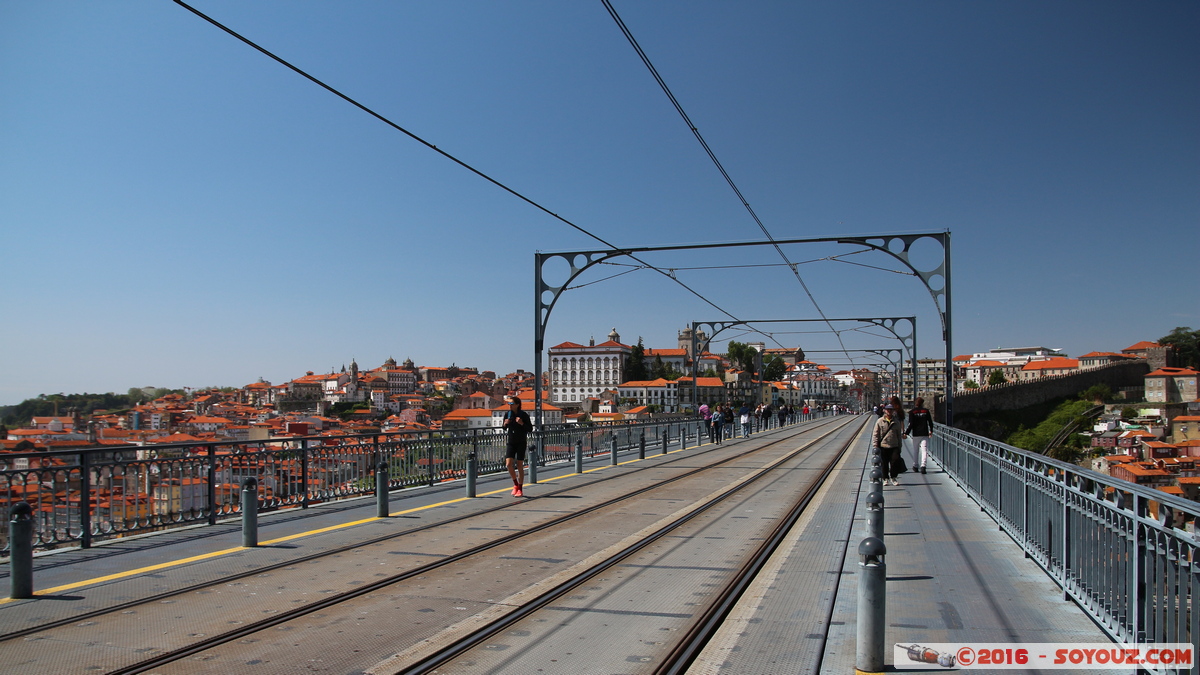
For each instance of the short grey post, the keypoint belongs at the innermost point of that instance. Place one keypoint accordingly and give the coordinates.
(382, 479)
(579, 456)
(666, 438)
(20, 554)
(872, 605)
(642, 445)
(472, 472)
(250, 512)
(876, 478)
(612, 450)
(875, 514)
(533, 462)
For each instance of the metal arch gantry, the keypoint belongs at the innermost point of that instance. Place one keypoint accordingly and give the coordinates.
(936, 281)
(908, 341)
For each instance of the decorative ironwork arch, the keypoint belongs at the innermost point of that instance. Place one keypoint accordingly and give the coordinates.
(898, 246)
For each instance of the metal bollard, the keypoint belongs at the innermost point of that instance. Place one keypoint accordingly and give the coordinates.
(20, 555)
(612, 450)
(472, 473)
(381, 489)
(250, 512)
(875, 514)
(876, 478)
(533, 464)
(665, 439)
(642, 445)
(872, 605)
(579, 456)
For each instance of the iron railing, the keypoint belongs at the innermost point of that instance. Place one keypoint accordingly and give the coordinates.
(81, 497)
(1125, 553)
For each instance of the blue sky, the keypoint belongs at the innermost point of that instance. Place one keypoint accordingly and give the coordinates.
(179, 210)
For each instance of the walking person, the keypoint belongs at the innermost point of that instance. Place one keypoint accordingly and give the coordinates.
(886, 436)
(516, 422)
(920, 427)
(744, 418)
(784, 411)
(718, 420)
(706, 413)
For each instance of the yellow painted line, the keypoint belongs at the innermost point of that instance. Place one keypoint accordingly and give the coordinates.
(290, 537)
(129, 573)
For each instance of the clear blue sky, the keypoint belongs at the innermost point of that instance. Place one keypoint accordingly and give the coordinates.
(179, 210)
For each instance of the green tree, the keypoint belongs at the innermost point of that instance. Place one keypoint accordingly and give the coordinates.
(1186, 344)
(997, 377)
(970, 384)
(658, 369)
(635, 365)
(744, 355)
(1097, 392)
(774, 369)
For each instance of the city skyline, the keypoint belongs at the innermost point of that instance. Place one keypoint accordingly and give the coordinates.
(182, 211)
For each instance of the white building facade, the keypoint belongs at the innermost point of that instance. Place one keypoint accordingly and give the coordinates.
(578, 372)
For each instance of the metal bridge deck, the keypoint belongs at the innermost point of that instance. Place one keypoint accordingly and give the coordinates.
(952, 576)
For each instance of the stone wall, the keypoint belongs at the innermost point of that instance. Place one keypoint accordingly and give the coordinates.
(1017, 395)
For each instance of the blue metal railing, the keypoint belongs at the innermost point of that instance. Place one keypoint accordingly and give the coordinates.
(1125, 553)
(83, 496)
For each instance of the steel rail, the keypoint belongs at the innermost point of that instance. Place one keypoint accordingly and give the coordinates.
(474, 639)
(5, 637)
(681, 657)
(300, 612)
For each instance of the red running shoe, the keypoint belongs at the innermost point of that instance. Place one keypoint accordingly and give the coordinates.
(517, 492)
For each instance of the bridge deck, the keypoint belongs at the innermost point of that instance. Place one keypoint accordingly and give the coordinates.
(952, 576)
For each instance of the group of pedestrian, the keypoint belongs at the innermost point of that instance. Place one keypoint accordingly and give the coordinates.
(717, 419)
(889, 433)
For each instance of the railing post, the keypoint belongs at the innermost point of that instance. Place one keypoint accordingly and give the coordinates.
(579, 455)
(534, 453)
(431, 472)
(872, 605)
(20, 543)
(382, 478)
(85, 500)
(304, 474)
(250, 513)
(212, 485)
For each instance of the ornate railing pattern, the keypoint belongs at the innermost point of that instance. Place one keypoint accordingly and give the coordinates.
(1125, 553)
(80, 497)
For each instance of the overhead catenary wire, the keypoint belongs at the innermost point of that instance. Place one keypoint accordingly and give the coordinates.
(716, 162)
(443, 153)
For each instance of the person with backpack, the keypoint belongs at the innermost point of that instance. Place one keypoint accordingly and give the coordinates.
(744, 418)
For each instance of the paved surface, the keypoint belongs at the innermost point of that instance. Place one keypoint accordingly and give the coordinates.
(952, 575)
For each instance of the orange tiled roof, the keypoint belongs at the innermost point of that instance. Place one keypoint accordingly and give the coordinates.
(1143, 345)
(1051, 364)
(1173, 372)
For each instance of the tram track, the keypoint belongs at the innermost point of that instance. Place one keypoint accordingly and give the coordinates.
(325, 553)
(335, 599)
(684, 652)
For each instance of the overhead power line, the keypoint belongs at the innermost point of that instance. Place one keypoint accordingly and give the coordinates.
(441, 152)
(716, 162)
